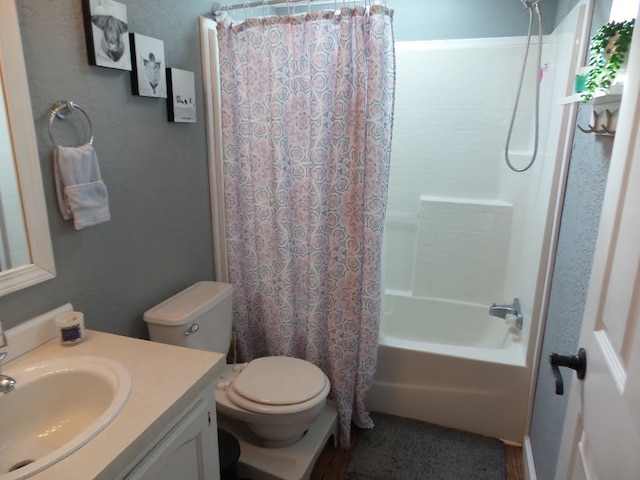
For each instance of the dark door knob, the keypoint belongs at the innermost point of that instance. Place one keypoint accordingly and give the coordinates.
(575, 362)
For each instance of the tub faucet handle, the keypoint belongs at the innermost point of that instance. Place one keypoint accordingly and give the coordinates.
(508, 311)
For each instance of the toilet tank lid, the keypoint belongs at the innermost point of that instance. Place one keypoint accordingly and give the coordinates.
(188, 304)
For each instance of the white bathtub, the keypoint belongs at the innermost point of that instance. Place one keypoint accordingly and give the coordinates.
(451, 364)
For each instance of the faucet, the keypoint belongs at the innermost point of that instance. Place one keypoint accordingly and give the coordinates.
(6, 383)
(512, 309)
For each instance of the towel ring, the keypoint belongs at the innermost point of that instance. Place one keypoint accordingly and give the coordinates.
(61, 109)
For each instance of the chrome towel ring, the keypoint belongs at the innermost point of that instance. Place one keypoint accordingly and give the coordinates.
(61, 109)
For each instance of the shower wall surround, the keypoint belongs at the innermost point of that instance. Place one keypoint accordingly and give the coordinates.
(452, 115)
(451, 211)
(460, 248)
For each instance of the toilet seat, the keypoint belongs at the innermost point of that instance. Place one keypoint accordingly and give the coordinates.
(278, 385)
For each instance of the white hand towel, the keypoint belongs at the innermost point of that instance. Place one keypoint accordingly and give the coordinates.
(81, 192)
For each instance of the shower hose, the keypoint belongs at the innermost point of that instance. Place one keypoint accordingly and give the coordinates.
(530, 6)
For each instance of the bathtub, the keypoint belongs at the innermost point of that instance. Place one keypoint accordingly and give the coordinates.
(451, 364)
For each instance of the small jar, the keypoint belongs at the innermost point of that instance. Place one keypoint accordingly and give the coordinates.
(70, 327)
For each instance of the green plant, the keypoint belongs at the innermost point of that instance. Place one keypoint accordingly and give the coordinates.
(607, 53)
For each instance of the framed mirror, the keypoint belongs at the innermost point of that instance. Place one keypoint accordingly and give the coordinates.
(27, 255)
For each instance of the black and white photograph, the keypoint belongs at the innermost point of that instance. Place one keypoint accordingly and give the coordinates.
(107, 32)
(181, 100)
(148, 75)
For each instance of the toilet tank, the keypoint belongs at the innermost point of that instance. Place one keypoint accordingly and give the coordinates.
(198, 317)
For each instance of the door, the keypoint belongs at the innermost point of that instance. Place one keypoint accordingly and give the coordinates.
(601, 437)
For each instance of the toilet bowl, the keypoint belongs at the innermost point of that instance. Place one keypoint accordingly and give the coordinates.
(278, 398)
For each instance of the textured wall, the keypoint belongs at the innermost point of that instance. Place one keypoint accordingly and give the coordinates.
(159, 238)
(563, 8)
(578, 231)
(429, 20)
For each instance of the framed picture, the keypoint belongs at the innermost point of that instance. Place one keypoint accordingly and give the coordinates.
(107, 32)
(148, 76)
(181, 99)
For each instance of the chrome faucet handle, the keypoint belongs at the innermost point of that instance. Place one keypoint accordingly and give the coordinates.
(2, 356)
(7, 384)
(511, 312)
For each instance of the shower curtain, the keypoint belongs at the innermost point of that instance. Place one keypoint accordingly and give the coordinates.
(307, 108)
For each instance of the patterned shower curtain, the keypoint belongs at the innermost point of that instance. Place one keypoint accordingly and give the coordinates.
(307, 109)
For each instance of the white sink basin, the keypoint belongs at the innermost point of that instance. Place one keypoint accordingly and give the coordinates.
(57, 406)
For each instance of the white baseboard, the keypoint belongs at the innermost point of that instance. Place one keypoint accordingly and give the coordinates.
(527, 458)
(510, 443)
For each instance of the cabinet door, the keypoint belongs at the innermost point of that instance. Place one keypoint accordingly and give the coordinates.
(188, 452)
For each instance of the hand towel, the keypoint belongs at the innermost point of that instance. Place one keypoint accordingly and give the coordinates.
(82, 195)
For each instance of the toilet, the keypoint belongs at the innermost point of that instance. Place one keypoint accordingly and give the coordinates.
(278, 398)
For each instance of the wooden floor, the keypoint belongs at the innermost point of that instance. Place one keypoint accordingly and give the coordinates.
(513, 464)
(333, 462)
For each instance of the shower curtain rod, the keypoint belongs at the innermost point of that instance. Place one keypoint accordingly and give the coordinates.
(219, 7)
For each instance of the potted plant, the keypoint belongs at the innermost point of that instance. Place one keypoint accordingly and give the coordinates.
(607, 55)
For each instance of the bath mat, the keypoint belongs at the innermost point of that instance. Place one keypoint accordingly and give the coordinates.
(403, 449)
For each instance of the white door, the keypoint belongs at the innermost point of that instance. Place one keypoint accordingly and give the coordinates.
(601, 438)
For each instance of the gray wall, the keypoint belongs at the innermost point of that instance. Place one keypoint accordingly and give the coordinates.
(446, 19)
(563, 8)
(429, 20)
(159, 238)
(578, 230)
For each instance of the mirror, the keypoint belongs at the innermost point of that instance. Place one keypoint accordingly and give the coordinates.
(24, 228)
(14, 246)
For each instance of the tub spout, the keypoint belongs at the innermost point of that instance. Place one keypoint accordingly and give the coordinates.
(508, 311)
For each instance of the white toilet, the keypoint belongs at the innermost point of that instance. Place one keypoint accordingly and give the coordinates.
(278, 398)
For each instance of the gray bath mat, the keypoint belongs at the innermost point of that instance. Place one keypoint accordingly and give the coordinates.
(402, 449)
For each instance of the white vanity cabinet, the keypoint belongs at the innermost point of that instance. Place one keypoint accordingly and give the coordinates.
(189, 451)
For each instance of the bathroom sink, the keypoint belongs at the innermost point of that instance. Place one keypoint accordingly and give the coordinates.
(56, 407)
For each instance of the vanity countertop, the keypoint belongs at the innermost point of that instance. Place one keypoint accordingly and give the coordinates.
(165, 379)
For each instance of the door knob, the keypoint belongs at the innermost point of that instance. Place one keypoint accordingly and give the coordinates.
(575, 362)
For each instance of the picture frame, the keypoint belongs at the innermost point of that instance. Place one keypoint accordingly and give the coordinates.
(148, 77)
(181, 96)
(107, 34)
